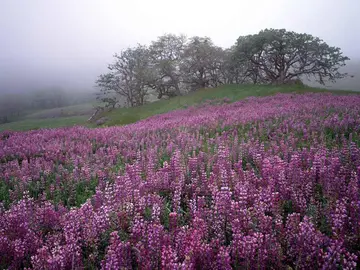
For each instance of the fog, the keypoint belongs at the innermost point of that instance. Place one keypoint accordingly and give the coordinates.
(67, 43)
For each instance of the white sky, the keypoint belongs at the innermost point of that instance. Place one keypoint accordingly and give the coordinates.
(70, 42)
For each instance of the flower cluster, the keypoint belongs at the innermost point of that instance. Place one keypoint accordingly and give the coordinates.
(263, 183)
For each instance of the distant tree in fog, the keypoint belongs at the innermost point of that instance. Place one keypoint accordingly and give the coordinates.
(127, 78)
(166, 55)
(11, 107)
(202, 64)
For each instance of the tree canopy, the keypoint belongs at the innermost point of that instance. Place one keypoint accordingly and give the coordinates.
(279, 56)
(174, 64)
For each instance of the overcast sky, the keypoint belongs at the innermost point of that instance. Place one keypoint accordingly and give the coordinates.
(69, 42)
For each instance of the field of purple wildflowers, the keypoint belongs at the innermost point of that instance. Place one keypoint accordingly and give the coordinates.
(262, 183)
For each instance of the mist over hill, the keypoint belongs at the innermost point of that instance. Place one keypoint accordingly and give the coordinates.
(67, 44)
(352, 82)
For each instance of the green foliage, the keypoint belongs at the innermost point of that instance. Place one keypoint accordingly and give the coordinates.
(35, 189)
(164, 217)
(119, 167)
(324, 225)
(85, 190)
(166, 209)
(185, 216)
(165, 157)
(128, 119)
(4, 193)
(287, 207)
(147, 213)
(71, 193)
(103, 244)
(321, 221)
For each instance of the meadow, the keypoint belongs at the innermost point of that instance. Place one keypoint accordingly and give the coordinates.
(261, 183)
(51, 118)
(79, 114)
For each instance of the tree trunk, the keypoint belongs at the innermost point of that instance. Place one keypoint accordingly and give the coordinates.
(176, 85)
(177, 89)
(282, 78)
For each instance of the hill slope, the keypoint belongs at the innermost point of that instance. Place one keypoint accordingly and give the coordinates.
(71, 116)
(123, 116)
(52, 118)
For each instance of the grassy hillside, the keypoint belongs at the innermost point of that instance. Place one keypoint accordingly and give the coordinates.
(77, 115)
(123, 116)
(30, 124)
(52, 118)
(69, 111)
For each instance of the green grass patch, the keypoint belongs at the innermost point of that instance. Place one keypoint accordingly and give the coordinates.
(32, 124)
(74, 110)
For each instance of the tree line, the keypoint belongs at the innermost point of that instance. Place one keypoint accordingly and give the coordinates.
(174, 64)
